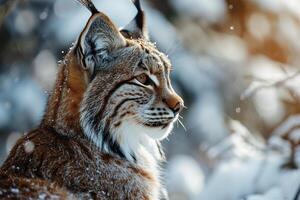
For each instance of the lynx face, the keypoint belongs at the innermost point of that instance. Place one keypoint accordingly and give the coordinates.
(129, 96)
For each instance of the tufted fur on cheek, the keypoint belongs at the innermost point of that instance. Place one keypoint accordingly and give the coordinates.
(119, 130)
(99, 38)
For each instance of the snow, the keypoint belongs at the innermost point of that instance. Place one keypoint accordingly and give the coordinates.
(259, 26)
(25, 22)
(45, 68)
(239, 144)
(20, 93)
(268, 77)
(253, 173)
(295, 135)
(289, 30)
(42, 196)
(228, 47)
(14, 190)
(277, 6)
(207, 107)
(269, 106)
(239, 178)
(184, 176)
(272, 194)
(28, 146)
(212, 11)
(263, 68)
(232, 180)
(44, 14)
(287, 125)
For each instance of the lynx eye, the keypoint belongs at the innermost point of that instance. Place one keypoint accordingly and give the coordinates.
(144, 79)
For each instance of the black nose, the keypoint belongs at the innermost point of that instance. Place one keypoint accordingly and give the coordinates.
(177, 108)
(174, 102)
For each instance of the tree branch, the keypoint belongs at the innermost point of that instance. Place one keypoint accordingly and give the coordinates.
(297, 196)
(253, 90)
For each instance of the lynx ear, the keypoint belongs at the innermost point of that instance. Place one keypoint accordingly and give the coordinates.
(98, 39)
(137, 27)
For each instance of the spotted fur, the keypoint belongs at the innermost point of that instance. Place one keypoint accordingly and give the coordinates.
(111, 105)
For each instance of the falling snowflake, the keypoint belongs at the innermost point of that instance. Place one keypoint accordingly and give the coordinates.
(29, 146)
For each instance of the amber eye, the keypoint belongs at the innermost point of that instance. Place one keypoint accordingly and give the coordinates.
(144, 79)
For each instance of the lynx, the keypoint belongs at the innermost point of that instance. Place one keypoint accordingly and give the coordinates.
(111, 105)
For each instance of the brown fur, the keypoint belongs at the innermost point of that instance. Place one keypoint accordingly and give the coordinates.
(24, 188)
(76, 164)
(62, 154)
(63, 106)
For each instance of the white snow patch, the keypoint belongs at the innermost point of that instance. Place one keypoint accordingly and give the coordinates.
(254, 174)
(29, 146)
(211, 11)
(184, 177)
(272, 194)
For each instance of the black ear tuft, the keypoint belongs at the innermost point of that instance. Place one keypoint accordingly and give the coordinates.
(89, 5)
(137, 4)
(139, 18)
(137, 27)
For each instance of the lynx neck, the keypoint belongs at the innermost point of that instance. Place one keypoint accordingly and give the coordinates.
(62, 112)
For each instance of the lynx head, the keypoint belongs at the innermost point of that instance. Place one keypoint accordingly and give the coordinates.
(129, 98)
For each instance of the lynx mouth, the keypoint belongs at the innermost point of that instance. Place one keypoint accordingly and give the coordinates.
(162, 124)
(157, 124)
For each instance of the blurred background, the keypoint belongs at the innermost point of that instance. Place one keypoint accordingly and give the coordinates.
(236, 63)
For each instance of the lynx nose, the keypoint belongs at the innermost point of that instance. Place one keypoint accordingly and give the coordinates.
(174, 102)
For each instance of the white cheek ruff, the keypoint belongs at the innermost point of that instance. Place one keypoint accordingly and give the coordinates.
(137, 139)
(156, 133)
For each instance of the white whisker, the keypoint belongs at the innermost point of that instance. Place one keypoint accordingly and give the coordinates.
(182, 125)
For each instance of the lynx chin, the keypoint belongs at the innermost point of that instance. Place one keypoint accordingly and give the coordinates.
(110, 107)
